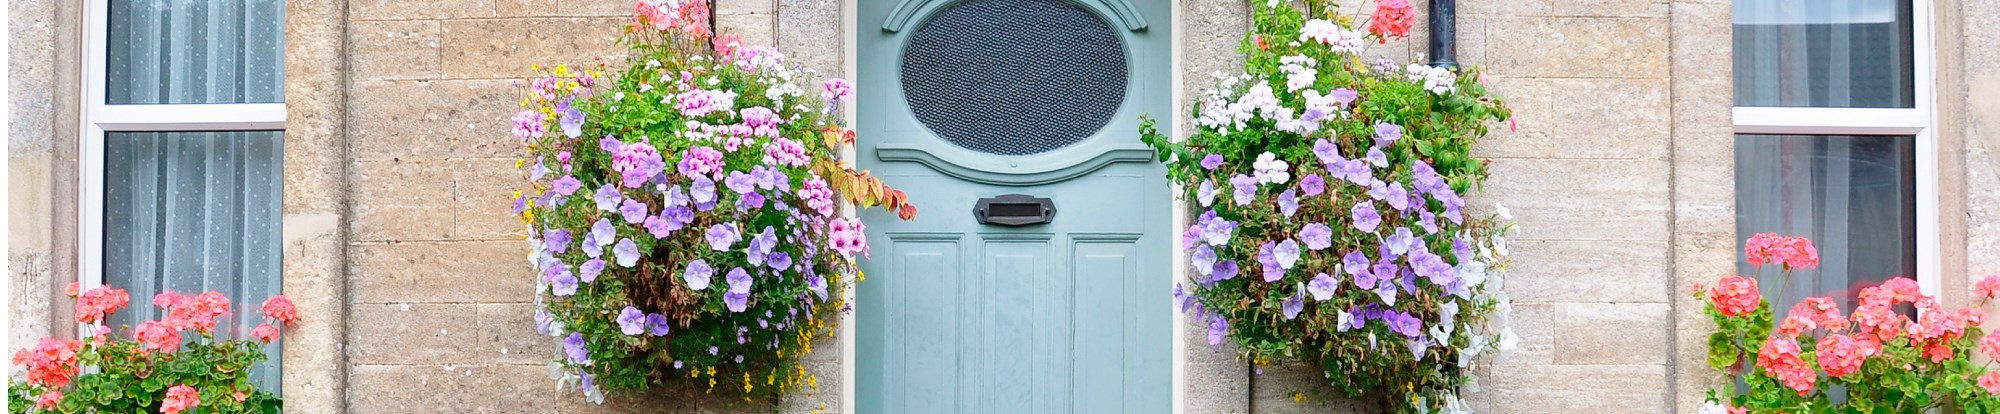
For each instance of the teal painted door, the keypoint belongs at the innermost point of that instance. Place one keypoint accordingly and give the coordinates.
(963, 100)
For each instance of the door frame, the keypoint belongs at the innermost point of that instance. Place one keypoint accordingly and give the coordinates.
(850, 66)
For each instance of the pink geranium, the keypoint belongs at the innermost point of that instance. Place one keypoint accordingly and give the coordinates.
(156, 335)
(180, 398)
(1735, 296)
(1841, 355)
(1988, 287)
(93, 305)
(279, 308)
(1780, 359)
(1392, 20)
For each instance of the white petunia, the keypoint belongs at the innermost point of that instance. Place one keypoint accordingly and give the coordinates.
(1271, 170)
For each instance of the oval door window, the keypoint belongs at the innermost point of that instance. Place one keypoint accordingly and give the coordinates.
(1014, 77)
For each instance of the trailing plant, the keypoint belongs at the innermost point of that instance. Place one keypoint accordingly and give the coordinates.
(683, 212)
(157, 369)
(1332, 226)
(1876, 359)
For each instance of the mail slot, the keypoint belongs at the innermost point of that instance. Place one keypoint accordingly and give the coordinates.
(1014, 210)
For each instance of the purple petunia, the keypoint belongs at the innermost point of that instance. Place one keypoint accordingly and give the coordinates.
(1203, 260)
(739, 280)
(567, 185)
(1397, 197)
(1293, 305)
(603, 233)
(1400, 241)
(660, 227)
(1224, 270)
(740, 183)
(1327, 151)
(1245, 189)
(721, 236)
(1217, 329)
(656, 324)
(817, 285)
(1322, 287)
(702, 191)
(572, 120)
(591, 247)
(608, 197)
(1273, 272)
(1206, 194)
(590, 269)
(561, 282)
(1453, 205)
(557, 240)
(634, 211)
(1404, 324)
(1428, 221)
(697, 274)
(750, 201)
(1288, 202)
(631, 321)
(574, 347)
(1216, 230)
(1313, 185)
(1386, 133)
(1377, 158)
(1211, 162)
(1287, 253)
(780, 261)
(1317, 236)
(627, 252)
(1182, 297)
(737, 301)
(1366, 219)
(1344, 95)
(1425, 178)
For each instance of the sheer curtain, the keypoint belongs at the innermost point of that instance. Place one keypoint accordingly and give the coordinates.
(193, 212)
(195, 51)
(1854, 196)
(1824, 53)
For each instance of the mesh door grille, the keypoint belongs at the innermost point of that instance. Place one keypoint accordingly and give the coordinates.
(1014, 77)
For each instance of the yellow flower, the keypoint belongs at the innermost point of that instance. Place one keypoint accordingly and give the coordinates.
(711, 371)
(813, 381)
(1298, 396)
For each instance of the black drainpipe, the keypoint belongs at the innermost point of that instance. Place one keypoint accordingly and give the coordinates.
(1444, 33)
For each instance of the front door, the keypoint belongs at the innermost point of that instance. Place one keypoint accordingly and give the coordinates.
(1036, 278)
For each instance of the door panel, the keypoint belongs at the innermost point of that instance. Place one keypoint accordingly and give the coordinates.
(1067, 316)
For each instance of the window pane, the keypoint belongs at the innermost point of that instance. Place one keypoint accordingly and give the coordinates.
(195, 51)
(1854, 196)
(1824, 53)
(193, 212)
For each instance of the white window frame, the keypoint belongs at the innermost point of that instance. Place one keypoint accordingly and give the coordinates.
(1920, 121)
(99, 118)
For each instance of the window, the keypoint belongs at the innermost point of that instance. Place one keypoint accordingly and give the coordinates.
(183, 155)
(1834, 140)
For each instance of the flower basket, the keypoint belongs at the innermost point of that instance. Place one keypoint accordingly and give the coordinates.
(684, 212)
(1332, 227)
